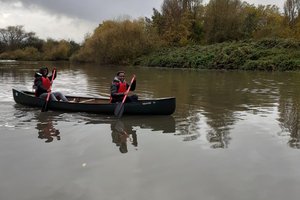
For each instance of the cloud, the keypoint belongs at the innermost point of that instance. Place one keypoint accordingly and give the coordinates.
(92, 10)
(69, 19)
(278, 3)
(45, 24)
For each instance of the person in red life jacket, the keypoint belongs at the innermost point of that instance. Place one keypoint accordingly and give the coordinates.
(118, 89)
(42, 83)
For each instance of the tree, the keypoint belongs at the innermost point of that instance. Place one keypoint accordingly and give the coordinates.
(291, 11)
(179, 22)
(157, 21)
(116, 42)
(269, 23)
(58, 50)
(223, 20)
(250, 20)
(14, 37)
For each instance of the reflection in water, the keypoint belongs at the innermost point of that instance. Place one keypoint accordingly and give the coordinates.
(25, 118)
(198, 126)
(218, 101)
(46, 127)
(46, 123)
(290, 122)
(125, 130)
(219, 135)
(166, 124)
(120, 135)
(189, 128)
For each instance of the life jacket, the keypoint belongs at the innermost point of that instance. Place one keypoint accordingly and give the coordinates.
(46, 82)
(122, 87)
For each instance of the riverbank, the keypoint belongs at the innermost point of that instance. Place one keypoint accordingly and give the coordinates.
(263, 55)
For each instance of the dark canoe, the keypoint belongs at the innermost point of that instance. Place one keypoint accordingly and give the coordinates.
(160, 106)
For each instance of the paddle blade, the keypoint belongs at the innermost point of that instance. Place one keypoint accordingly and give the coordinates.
(119, 110)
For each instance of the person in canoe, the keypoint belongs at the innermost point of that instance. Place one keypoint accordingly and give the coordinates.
(119, 87)
(42, 83)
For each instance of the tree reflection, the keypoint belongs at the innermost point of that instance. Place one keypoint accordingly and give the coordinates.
(217, 98)
(215, 129)
(218, 139)
(289, 118)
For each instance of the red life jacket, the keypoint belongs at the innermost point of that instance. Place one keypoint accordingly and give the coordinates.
(46, 82)
(122, 87)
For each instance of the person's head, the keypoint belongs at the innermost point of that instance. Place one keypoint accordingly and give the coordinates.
(44, 71)
(121, 75)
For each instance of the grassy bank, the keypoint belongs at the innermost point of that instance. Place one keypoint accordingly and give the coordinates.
(266, 55)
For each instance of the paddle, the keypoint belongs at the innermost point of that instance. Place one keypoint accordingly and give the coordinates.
(45, 106)
(120, 107)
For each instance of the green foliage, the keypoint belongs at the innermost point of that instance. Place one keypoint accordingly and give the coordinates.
(278, 43)
(262, 65)
(265, 55)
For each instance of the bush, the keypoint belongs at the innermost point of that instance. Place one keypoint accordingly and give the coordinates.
(29, 53)
(263, 65)
(266, 55)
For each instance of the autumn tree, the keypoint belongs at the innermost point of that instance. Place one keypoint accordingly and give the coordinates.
(174, 29)
(223, 20)
(59, 50)
(292, 19)
(179, 22)
(270, 22)
(250, 20)
(157, 22)
(291, 8)
(116, 42)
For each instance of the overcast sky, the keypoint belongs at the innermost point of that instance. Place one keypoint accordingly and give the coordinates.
(73, 19)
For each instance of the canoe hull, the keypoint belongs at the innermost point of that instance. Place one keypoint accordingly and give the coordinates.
(162, 106)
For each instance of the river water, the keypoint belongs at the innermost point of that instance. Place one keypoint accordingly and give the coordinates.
(234, 135)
